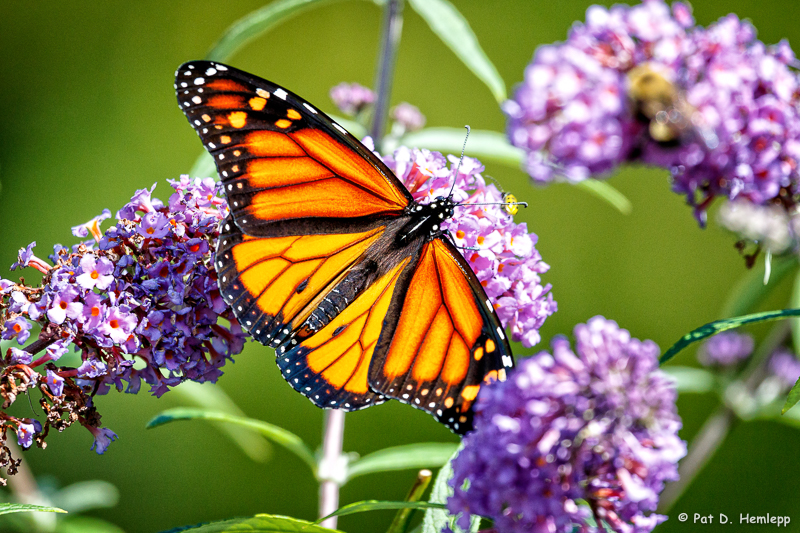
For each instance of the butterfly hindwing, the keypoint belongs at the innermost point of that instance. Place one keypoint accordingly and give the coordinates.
(274, 284)
(286, 166)
(331, 366)
(447, 342)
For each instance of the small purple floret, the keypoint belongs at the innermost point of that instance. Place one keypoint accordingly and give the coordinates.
(55, 383)
(102, 438)
(725, 349)
(17, 328)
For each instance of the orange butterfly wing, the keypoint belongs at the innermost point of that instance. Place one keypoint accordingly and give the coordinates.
(447, 343)
(286, 167)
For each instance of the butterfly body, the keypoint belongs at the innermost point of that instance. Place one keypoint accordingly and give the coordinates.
(329, 259)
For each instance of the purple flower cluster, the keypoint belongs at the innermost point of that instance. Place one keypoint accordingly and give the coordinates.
(501, 253)
(352, 98)
(714, 106)
(139, 302)
(595, 425)
(726, 349)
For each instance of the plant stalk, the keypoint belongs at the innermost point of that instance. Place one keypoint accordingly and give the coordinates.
(391, 30)
(332, 461)
(702, 449)
(403, 517)
(718, 425)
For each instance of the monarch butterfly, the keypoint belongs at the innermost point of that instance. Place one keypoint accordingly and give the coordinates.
(326, 257)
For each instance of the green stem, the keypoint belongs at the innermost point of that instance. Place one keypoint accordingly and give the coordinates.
(403, 517)
(390, 40)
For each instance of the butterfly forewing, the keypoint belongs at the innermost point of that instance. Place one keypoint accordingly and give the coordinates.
(281, 160)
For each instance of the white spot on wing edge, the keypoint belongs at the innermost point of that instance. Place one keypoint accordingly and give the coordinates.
(338, 127)
(309, 107)
(507, 361)
(220, 67)
(280, 93)
(488, 304)
(500, 332)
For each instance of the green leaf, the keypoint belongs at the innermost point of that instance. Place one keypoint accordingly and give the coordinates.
(276, 434)
(484, 144)
(6, 508)
(712, 328)
(749, 290)
(436, 519)
(260, 523)
(792, 398)
(212, 397)
(256, 23)
(421, 455)
(604, 191)
(85, 495)
(379, 505)
(204, 167)
(691, 380)
(453, 29)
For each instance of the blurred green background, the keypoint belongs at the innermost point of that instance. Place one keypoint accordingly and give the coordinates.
(89, 115)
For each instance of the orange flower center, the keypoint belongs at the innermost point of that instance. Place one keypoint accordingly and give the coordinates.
(17, 328)
(95, 274)
(95, 311)
(62, 305)
(459, 234)
(150, 231)
(480, 239)
(113, 323)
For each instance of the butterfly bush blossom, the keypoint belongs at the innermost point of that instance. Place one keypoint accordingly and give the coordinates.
(138, 303)
(501, 252)
(726, 349)
(714, 106)
(596, 424)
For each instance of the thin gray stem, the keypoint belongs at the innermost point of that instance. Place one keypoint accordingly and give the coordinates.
(702, 449)
(391, 30)
(331, 466)
(718, 425)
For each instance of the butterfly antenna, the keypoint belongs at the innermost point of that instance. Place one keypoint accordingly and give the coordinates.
(470, 204)
(500, 187)
(458, 168)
